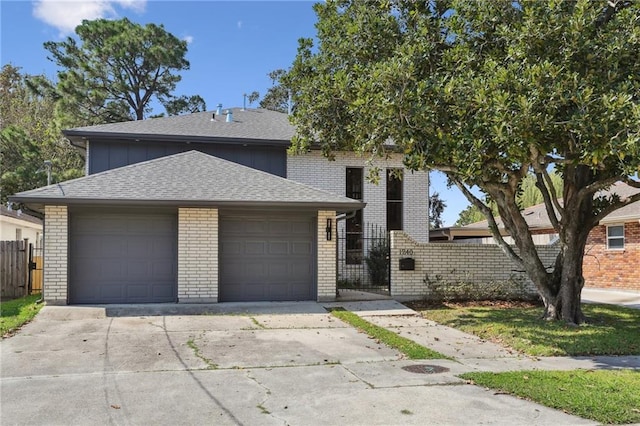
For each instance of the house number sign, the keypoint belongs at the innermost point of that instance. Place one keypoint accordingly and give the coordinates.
(406, 252)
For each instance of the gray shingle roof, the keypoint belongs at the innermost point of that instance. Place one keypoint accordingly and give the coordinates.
(187, 179)
(537, 218)
(251, 124)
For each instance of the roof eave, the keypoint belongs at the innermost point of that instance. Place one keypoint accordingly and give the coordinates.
(78, 136)
(38, 203)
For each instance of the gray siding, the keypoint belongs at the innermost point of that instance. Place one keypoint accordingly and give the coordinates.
(107, 155)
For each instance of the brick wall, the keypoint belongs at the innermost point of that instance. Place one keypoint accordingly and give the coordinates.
(55, 254)
(197, 255)
(484, 269)
(616, 269)
(315, 170)
(326, 275)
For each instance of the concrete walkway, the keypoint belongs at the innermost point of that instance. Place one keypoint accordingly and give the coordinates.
(471, 352)
(630, 299)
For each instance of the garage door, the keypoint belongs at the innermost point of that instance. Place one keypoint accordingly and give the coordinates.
(267, 258)
(123, 257)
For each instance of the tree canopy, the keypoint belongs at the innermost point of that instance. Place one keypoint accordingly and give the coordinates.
(115, 70)
(277, 97)
(487, 92)
(30, 135)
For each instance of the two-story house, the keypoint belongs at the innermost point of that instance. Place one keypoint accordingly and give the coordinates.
(155, 220)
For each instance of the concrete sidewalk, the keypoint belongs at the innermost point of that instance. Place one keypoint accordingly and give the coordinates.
(471, 352)
(630, 299)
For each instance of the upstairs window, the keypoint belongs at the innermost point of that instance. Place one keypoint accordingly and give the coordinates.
(394, 199)
(354, 246)
(615, 237)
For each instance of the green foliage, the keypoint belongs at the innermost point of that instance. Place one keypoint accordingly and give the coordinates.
(15, 313)
(436, 208)
(608, 397)
(184, 105)
(114, 71)
(277, 97)
(528, 195)
(377, 259)
(408, 347)
(611, 330)
(486, 92)
(29, 135)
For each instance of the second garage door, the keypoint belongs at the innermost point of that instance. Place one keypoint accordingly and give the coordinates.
(267, 257)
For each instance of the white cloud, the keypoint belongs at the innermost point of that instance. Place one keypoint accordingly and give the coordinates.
(188, 39)
(66, 15)
(239, 25)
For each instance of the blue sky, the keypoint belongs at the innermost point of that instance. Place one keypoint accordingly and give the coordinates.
(232, 45)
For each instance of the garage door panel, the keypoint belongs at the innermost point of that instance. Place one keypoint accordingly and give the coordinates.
(267, 258)
(123, 257)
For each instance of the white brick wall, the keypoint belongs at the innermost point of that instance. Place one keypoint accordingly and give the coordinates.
(326, 258)
(449, 264)
(197, 255)
(55, 254)
(315, 170)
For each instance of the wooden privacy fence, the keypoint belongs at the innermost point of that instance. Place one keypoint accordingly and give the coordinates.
(14, 269)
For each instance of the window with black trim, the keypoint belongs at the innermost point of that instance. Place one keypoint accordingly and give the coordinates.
(615, 237)
(394, 199)
(354, 244)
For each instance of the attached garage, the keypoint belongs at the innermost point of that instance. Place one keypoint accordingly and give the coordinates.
(267, 257)
(125, 256)
(187, 228)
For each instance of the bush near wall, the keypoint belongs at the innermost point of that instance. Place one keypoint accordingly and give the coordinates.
(448, 271)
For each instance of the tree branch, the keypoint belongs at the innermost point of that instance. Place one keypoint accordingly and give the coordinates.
(549, 201)
(493, 226)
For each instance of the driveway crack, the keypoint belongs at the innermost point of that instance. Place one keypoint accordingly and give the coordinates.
(261, 406)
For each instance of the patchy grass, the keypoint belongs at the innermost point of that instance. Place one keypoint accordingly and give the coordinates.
(408, 347)
(16, 313)
(611, 330)
(606, 396)
(196, 351)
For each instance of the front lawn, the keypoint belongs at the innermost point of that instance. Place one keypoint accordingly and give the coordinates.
(15, 313)
(611, 330)
(606, 396)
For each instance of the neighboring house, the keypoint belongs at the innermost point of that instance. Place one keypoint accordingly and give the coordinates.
(16, 225)
(256, 219)
(190, 228)
(612, 253)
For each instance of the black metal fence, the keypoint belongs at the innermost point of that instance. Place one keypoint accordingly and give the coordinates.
(363, 260)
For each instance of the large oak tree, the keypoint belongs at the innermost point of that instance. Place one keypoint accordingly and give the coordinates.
(487, 92)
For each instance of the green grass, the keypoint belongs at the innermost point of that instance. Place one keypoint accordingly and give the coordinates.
(611, 330)
(408, 347)
(606, 396)
(17, 312)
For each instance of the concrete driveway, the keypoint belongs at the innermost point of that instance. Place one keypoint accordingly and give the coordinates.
(264, 364)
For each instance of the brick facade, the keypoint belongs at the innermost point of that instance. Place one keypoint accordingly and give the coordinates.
(197, 255)
(315, 170)
(481, 268)
(326, 265)
(56, 248)
(615, 269)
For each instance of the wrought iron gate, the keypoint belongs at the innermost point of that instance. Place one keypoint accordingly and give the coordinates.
(363, 260)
